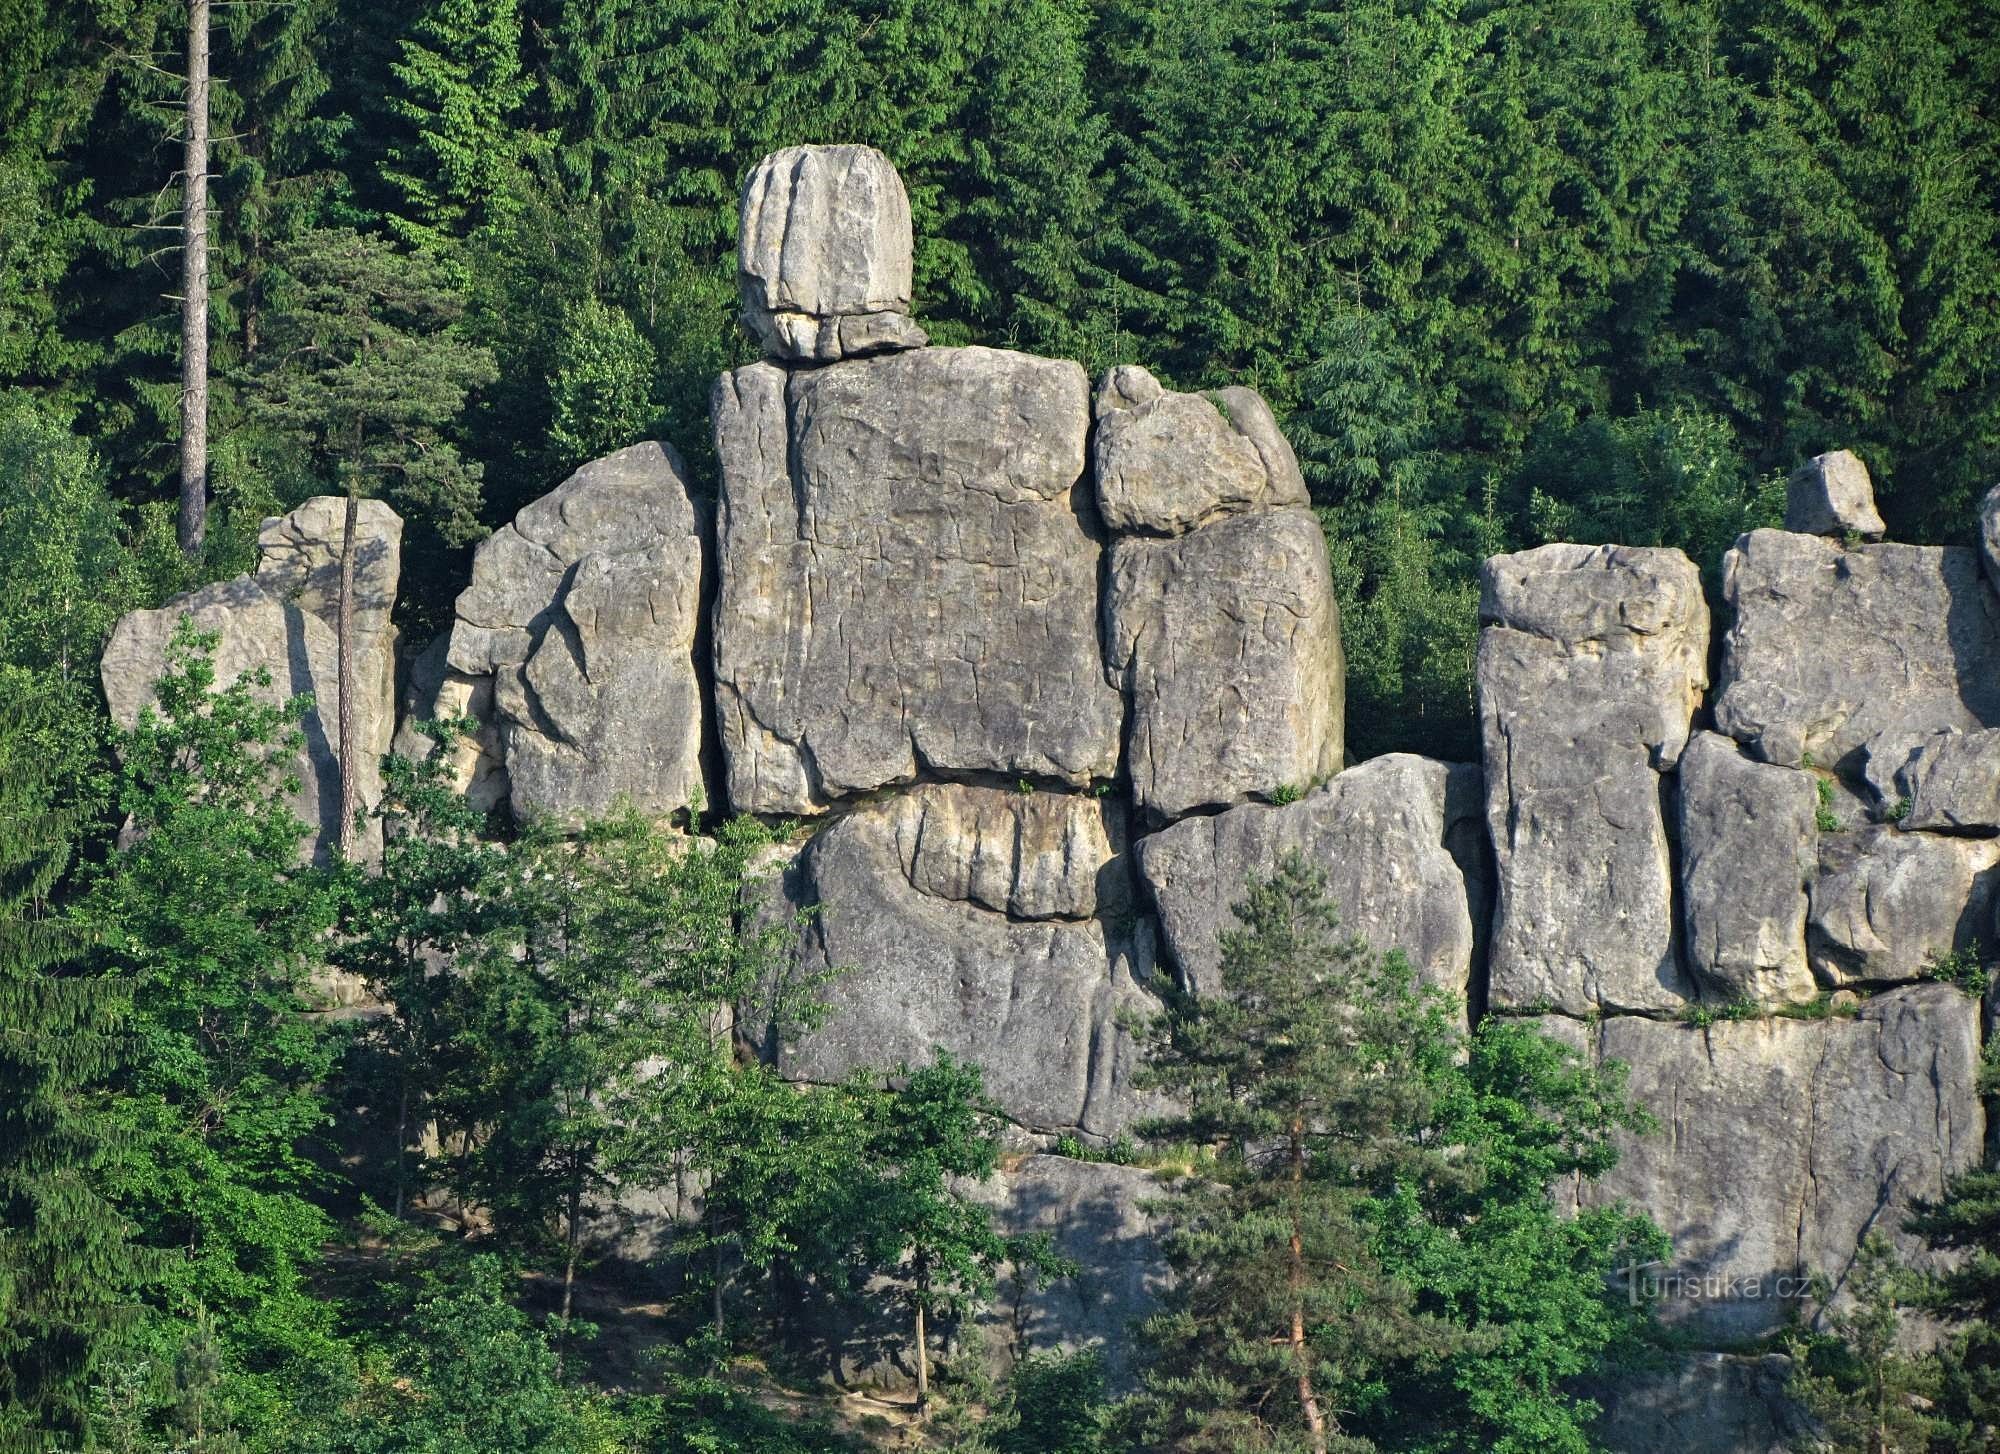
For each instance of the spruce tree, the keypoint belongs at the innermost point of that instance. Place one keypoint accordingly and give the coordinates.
(67, 1268)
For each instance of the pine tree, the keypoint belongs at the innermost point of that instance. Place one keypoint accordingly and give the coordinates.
(67, 1269)
(1862, 1392)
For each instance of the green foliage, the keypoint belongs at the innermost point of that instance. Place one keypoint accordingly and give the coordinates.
(1961, 967)
(1701, 1016)
(1862, 1391)
(1824, 817)
(602, 389)
(1373, 1246)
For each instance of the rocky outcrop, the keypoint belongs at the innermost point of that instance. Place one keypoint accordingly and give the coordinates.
(1782, 1142)
(1832, 650)
(1167, 463)
(434, 693)
(1035, 1001)
(908, 581)
(1095, 1214)
(824, 254)
(1591, 662)
(1701, 1403)
(582, 615)
(1950, 782)
(1886, 903)
(1748, 846)
(1832, 495)
(1399, 839)
(1220, 620)
(281, 622)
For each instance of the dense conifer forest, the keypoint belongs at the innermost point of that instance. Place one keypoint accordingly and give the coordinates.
(1508, 273)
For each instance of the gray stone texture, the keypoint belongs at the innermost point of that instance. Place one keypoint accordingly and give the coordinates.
(1832, 495)
(1227, 642)
(1398, 838)
(1591, 663)
(583, 615)
(281, 620)
(908, 583)
(1749, 849)
(1783, 1141)
(1951, 782)
(1701, 1403)
(1886, 902)
(1834, 650)
(824, 254)
(1989, 535)
(433, 692)
(1166, 463)
(1035, 1001)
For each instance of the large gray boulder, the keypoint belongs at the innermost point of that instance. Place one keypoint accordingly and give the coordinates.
(1036, 1002)
(907, 583)
(1748, 853)
(1832, 495)
(1166, 462)
(824, 254)
(1590, 666)
(1399, 838)
(1886, 903)
(281, 621)
(1227, 642)
(1782, 1142)
(1951, 782)
(433, 692)
(1832, 650)
(582, 615)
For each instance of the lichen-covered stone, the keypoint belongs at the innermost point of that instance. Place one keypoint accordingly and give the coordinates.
(1227, 642)
(281, 620)
(1166, 462)
(1035, 1002)
(1398, 838)
(583, 615)
(1832, 650)
(1590, 666)
(824, 254)
(1783, 1141)
(1749, 848)
(907, 582)
(1832, 495)
(1885, 903)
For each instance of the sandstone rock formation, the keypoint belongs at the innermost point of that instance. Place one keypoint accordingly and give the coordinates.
(1220, 621)
(433, 692)
(908, 584)
(1590, 666)
(1748, 852)
(1832, 495)
(1783, 1141)
(1035, 1001)
(1702, 1403)
(1951, 782)
(583, 616)
(1399, 839)
(824, 254)
(1885, 903)
(280, 621)
(1832, 649)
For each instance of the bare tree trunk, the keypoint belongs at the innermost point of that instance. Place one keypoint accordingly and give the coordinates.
(1308, 1399)
(923, 1360)
(569, 1263)
(402, 1137)
(192, 524)
(346, 647)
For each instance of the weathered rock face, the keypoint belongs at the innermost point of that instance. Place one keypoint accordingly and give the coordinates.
(1227, 641)
(1951, 781)
(1398, 838)
(583, 614)
(1590, 666)
(1831, 648)
(824, 254)
(1886, 902)
(1748, 852)
(1989, 535)
(433, 692)
(1035, 1001)
(1706, 1403)
(1832, 495)
(280, 620)
(1166, 463)
(1093, 1213)
(1783, 1141)
(908, 583)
